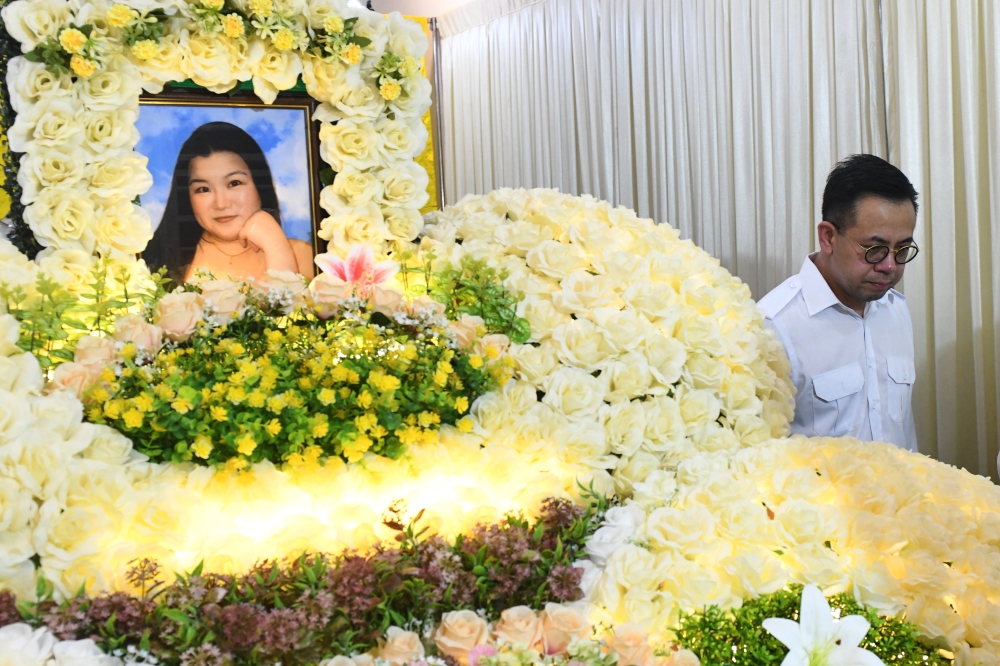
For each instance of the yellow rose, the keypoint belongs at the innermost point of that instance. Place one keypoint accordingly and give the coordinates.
(520, 625)
(459, 632)
(400, 647)
(179, 314)
(135, 329)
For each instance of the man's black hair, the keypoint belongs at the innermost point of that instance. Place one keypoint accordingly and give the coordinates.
(860, 176)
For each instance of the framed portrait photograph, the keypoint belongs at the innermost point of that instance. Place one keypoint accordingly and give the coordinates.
(235, 184)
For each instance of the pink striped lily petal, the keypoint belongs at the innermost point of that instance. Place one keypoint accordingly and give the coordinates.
(383, 271)
(360, 262)
(332, 264)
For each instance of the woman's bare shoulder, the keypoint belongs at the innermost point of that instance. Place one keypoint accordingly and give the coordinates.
(303, 257)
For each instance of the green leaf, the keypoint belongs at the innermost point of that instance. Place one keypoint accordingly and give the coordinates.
(175, 615)
(359, 40)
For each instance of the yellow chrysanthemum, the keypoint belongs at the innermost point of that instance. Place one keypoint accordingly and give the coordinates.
(295, 460)
(465, 424)
(218, 413)
(284, 40)
(133, 418)
(256, 399)
(476, 361)
(461, 404)
(273, 427)
(305, 383)
(383, 382)
(73, 41)
(181, 405)
(164, 392)
(202, 446)
(236, 394)
(113, 409)
(99, 394)
(262, 8)
(409, 66)
(327, 396)
(440, 378)
(233, 26)
(94, 414)
(246, 444)
(108, 375)
(145, 49)
(351, 54)
(334, 25)
(390, 90)
(121, 15)
(339, 373)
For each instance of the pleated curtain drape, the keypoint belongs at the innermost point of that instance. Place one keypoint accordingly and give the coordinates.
(723, 117)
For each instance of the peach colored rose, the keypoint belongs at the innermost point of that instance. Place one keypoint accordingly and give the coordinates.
(178, 314)
(385, 300)
(282, 280)
(459, 632)
(498, 341)
(520, 625)
(400, 647)
(133, 328)
(95, 352)
(327, 293)
(632, 645)
(74, 377)
(683, 658)
(225, 298)
(560, 625)
(466, 329)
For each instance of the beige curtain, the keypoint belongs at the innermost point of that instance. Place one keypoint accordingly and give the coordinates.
(943, 101)
(723, 117)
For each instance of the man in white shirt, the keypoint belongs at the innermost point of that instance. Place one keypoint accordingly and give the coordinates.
(847, 332)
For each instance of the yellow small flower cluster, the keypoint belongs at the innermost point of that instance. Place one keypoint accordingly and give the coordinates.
(351, 54)
(121, 15)
(72, 40)
(145, 49)
(233, 26)
(262, 8)
(82, 66)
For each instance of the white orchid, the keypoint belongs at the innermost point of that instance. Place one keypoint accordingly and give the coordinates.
(817, 639)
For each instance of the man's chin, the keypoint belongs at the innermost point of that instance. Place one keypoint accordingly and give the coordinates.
(873, 291)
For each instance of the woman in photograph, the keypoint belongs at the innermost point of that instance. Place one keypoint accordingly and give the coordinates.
(222, 212)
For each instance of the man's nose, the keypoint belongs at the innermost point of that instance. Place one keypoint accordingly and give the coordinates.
(887, 265)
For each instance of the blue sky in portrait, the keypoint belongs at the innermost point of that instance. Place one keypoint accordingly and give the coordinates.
(281, 134)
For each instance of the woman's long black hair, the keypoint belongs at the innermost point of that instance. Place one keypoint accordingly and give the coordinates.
(176, 238)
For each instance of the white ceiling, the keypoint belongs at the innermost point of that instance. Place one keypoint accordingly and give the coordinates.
(417, 7)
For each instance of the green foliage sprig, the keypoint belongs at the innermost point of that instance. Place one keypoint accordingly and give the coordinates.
(737, 636)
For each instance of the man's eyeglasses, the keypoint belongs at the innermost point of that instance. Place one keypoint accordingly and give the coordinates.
(877, 253)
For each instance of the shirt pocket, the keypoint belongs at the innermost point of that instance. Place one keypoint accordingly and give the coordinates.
(900, 385)
(836, 396)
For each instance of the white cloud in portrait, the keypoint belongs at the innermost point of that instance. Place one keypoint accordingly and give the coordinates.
(280, 132)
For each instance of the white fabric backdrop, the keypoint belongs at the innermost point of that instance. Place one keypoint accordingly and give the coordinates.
(723, 117)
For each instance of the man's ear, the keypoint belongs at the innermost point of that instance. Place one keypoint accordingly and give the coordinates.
(827, 232)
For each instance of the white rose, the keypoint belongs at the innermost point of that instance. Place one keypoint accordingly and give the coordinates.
(117, 86)
(53, 123)
(624, 330)
(322, 77)
(81, 653)
(699, 407)
(751, 430)
(705, 371)
(105, 132)
(31, 83)
(22, 645)
(49, 168)
(169, 60)
(123, 226)
(401, 139)
(541, 314)
(605, 541)
(581, 293)
(349, 143)
(755, 572)
(120, 176)
(575, 393)
(416, 101)
(657, 300)
(20, 372)
(665, 426)
(636, 469)
(33, 22)
(403, 185)
(211, 62)
(584, 444)
(711, 437)
(492, 411)
(581, 344)
(520, 237)
(693, 585)
(272, 70)
(404, 224)
(355, 98)
(681, 531)
(406, 37)
(350, 189)
(658, 488)
(702, 333)
(73, 269)
(63, 218)
(16, 506)
(874, 586)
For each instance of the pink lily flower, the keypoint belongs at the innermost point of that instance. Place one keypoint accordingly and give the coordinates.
(358, 269)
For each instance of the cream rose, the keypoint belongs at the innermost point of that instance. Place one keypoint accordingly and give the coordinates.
(542, 315)
(284, 287)
(179, 314)
(400, 647)
(350, 189)
(272, 70)
(535, 363)
(52, 123)
(520, 237)
(402, 140)
(404, 224)
(459, 632)
(31, 83)
(105, 132)
(386, 300)
(119, 176)
(135, 329)
(574, 392)
(354, 98)
(106, 445)
(349, 143)
(31, 23)
(49, 168)
(406, 37)
(582, 293)
(63, 218)
(95, 352)
(211, 62)
(403, 185)
(628, 377)
(557, 260)
(581, 344)
(163, 68)
(115, 87)
(416, 101)
(328, 293)
(520, 625)
(123, 226)
(322, 77)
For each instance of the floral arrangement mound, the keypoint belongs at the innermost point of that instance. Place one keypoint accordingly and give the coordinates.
(220, 372)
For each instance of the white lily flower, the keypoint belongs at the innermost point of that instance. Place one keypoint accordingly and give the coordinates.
(817, 640)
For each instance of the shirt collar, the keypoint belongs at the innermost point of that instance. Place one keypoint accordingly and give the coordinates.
(818, 295)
